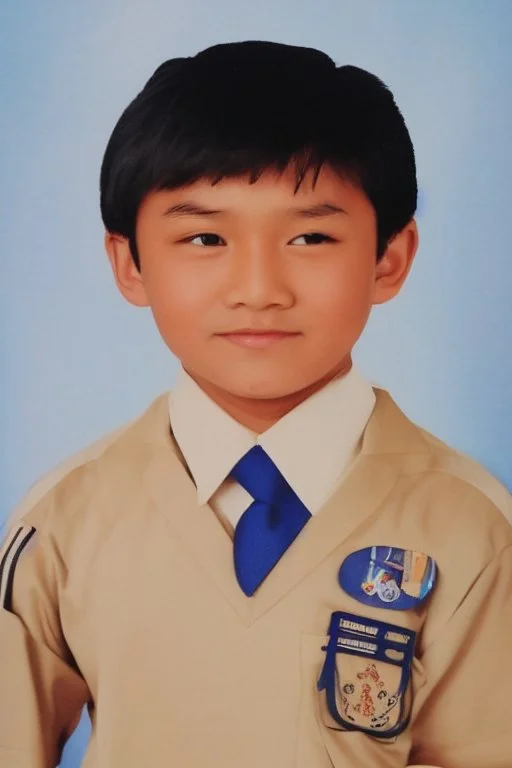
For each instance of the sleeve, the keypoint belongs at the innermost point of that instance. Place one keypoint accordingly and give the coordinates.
(464, 712)
(42, 691)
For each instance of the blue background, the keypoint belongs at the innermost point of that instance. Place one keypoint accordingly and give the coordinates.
(76, 361)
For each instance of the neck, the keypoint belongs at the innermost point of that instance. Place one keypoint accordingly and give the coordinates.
(258, 415)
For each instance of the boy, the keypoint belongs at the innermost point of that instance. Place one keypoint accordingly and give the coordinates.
(272, 566)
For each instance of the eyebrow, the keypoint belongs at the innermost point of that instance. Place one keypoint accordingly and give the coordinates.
(189, 208)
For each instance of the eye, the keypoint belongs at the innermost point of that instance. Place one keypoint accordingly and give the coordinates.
(210, 239)
(205, 239)
(314, 238)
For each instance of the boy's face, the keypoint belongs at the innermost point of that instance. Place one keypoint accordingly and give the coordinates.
(300, 265)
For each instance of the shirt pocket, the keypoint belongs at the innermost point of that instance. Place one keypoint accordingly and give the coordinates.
(323, 742)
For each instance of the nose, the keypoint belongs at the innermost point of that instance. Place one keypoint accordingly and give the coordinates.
(258, 279)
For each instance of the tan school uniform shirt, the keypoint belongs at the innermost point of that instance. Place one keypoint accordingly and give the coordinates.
(125, 597)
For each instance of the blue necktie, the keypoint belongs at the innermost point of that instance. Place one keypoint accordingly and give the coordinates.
(270, 524)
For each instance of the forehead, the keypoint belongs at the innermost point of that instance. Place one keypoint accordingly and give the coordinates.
(272, 194)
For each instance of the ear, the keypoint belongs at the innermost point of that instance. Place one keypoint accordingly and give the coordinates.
(127, 276)
(395, 264)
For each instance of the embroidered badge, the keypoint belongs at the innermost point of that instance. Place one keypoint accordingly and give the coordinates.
(366, 674)
(388, 577)
(367, 700)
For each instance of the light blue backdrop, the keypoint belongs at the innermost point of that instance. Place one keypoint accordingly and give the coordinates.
(76, 361)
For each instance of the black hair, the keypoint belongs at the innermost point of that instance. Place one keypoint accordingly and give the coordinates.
(238, 109)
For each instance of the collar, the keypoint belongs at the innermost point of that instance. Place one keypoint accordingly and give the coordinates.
(312, 445)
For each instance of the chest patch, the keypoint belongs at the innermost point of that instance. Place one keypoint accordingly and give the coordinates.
(388, 577)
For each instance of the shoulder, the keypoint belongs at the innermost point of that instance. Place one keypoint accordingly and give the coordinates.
(65, 474)
(442, 489)
(464, 473)
(463, 512)
(84, 475)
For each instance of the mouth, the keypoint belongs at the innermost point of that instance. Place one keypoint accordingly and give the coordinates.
(256, 338)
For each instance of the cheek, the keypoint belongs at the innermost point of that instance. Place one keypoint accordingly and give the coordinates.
(343, 294)
(178, 298)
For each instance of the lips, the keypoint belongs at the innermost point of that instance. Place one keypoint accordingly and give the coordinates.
(258, 332)
(257, 338)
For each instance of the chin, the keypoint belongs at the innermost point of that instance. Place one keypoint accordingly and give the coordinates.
(256, 388)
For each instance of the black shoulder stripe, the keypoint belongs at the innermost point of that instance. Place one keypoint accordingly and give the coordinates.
(13, 539)
(8, 565)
